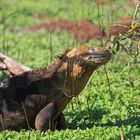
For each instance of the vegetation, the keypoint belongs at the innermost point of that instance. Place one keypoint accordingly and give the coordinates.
(109, 106)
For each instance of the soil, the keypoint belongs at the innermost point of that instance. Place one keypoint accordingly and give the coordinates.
(130, 4)
(85, 29)
(117, 29)
(101, 2)
(38, 16)
(82, 30)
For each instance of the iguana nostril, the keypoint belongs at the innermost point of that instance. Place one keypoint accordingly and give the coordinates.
(106, 51)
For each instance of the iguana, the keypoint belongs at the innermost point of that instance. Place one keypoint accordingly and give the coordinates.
(38, 97)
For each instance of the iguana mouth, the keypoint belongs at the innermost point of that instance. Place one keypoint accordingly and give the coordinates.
(100, 55)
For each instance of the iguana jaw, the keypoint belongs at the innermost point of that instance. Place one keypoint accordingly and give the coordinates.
(97, 57)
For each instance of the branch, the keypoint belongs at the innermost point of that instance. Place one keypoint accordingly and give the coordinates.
(10, 67)
(136, 11)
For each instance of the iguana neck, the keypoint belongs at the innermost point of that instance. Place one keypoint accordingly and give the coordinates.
(75, 78)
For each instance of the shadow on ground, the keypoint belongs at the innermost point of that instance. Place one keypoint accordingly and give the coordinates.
(84, 118)
(92, 117)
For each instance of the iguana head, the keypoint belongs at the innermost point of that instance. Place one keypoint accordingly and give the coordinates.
(78, 65)
(88, 57)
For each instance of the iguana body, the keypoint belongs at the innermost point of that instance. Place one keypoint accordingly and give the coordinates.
(37, 98)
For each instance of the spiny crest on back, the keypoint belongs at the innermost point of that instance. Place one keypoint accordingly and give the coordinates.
(63, 56)
(71, 53)
(78, 51)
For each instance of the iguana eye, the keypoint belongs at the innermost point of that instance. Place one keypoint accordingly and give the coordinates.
(77, 58)
(91, 51)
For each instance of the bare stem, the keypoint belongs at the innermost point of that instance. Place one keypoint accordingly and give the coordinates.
(50, 46)
(25, 115)
(136, 11)
(108, 81)
(129, 71)
(121, 134)
(112, 11)
(4, 30)
(99, 21)
(2, 122)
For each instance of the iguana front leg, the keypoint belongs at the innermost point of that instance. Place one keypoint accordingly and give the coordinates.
(50, 118)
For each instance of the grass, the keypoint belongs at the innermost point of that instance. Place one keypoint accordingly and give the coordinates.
(99, 112)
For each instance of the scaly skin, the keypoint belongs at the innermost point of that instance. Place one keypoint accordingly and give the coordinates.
(37, 98)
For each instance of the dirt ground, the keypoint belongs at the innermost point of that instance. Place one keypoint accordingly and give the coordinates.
(83, 30)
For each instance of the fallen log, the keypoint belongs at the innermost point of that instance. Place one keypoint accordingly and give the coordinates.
(11, 67)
